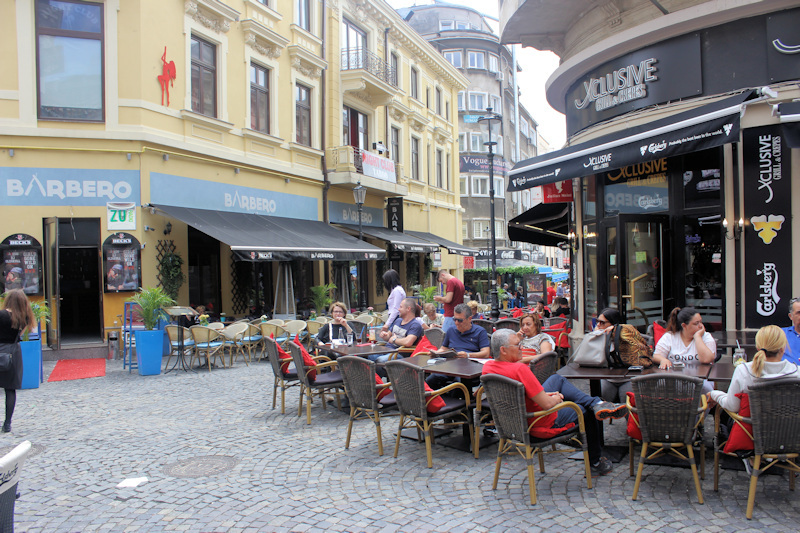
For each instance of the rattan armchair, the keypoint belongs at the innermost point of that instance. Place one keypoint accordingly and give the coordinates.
(775, 411)
(408, 384)
(233, 341)
(275, 331)
(435, 336)
(544, 365)
(507, 323)
(174, 344)
(358, 375)
(670, 409)
(324, 383)
(284, 380)
(487, 325)
(208, 343)
(253, 340)
(507, 400)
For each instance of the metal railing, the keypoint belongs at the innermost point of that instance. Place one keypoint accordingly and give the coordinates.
(363, 59)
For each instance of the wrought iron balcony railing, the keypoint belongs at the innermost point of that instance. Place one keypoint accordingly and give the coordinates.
(363, 59)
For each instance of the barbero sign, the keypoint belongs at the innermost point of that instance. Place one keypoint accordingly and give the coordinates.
(767, 231)
(67, 186)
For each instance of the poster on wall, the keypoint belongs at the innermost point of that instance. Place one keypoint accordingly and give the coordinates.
(535, 288)
(767, 229)
(122, 263)
(22, 264)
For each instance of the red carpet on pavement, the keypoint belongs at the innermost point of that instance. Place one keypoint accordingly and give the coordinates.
(67, 369)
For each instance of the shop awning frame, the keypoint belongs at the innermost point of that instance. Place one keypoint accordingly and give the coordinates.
(790, 122)
(450, 246)
(544, 224)
(701, 128)
(398, 240)
(264, 238)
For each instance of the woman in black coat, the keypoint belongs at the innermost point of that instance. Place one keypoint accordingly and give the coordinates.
(15, 317)
(339, 326)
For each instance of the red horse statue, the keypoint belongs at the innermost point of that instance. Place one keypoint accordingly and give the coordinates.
(167, 78)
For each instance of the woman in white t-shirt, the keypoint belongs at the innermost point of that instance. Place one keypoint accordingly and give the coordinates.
(686, 340)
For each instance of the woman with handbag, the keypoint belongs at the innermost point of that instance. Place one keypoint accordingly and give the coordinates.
(15, 317)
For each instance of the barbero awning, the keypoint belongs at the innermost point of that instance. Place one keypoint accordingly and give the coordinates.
(790, 122)
(544, 224)
(264, 238)
(452, 247)
(398, 240)
(705, 127)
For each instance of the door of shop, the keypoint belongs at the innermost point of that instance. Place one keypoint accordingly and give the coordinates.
(73, 287)
(636, 248)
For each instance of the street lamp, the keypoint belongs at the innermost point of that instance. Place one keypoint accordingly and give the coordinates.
(359, 195)
(488, 118)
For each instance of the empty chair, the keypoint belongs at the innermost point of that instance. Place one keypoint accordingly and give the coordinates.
(349, 316)
(10, 470)
(233, 340)
(435, 336)
(219, 326)
(276, 332)
(366, 319)
(252, 340)
(285, 375)
(545, 365)
(276, 321)
(314, 381)
(295, 327)
(208, 343)
(312, 328)
(174, 344)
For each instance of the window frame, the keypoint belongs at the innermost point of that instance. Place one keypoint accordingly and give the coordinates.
(459, 53)
(414, 84)
(476, 54)
(214, 76)
(496, 103)
(415, 142)
(438, 100)
(481, 139)
(394, 144)
(301, 109)
(494, 63)
(461, 25)
(439, 169)
(442, 24)
(394, 63)
(480, 185)
(484, 97)
(258, 88)
(462, 142)
(304, 15)
(460, 101)
(481, 233)
(463, 179)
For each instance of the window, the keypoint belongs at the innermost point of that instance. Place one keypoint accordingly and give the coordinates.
(476, 59)
(415, 158)
(303, 114)
(454, 57)
(395, 74)
(414, 84)
(259, 98)
(447, 172)
(445, 25)
(480, 229)
(355, 128)
(498, 229)
(480, 186)
(523, 127)
(70, 60)
(494, 63)
(428, 163)
(462, 25)
(395, 145)
(304, 14)
(496, 103)
(465, 230)
(353, 39)
(463, 183)
(439, 170)
(439, 101)
(204, 77)
(263, 2)
(460, 100)
(462, 142)
(447, 110)
(499, 187)
(476, 141)
(428, 97)
(477, 101)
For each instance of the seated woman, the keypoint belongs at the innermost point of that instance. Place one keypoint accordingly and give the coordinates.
(431, 319)
(532, 341)
(338, 329)
(686, 340)
(475, 312)
(768, 363)
(541, 310)
(611, 388)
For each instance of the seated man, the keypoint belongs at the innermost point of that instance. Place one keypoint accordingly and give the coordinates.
(403, 332)
(540, 397)
(562, 309)
(466, 339)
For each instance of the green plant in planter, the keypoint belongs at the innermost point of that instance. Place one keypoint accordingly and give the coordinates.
(170, 269)
(427, 294)
(40, 312)
(149, 303)
(321, 297)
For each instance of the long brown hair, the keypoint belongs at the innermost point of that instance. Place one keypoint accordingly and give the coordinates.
(769, 341)
(537, 322)
(17, 303)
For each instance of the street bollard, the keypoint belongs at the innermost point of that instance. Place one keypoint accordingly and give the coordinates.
(113, 345)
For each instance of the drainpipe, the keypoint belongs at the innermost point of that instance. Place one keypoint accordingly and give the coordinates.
(386, 138)
(516, 100)
(323, 137)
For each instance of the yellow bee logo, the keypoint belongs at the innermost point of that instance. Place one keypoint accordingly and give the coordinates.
(767, 227)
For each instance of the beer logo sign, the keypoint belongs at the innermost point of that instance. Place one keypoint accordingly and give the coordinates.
(768, 298)
(767, 227)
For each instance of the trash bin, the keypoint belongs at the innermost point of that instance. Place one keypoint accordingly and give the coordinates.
(113, 345)
(31, 363)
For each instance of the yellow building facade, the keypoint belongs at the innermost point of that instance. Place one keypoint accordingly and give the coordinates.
(138, 129)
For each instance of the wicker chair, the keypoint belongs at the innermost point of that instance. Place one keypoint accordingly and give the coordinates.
(174, 345)
(284, 380)
(10, 470)
(507, 323)
(208, 343)
(312, 328)
(366, 319)
(253, 340)
(233, 341)
(545, 365)
(507, 400)
(775, 411)
(275, 331)
(328, 382)
(670, 410)
(358, 375)
(435, 336)
(276, 321)
(719, 444)
(488, 325)
(408, 383)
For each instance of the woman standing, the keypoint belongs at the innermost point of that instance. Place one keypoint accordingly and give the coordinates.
(391, 280)
(15, 317)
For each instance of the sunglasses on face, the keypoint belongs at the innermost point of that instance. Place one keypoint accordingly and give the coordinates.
(459, 320)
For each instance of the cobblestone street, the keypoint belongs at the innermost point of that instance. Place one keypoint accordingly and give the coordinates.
(218, 458)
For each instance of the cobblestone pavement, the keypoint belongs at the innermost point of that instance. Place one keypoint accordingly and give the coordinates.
(218, 458)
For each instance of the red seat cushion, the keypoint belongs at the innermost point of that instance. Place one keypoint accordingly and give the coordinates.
(516, 313)
(549, 433)
(436, 403)
(282, 355)
(739, 439)
(634, 431)
(382, 392)
(307, 360)
(424, 346)
(658, 331)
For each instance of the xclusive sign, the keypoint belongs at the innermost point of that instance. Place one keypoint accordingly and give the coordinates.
(767, 236)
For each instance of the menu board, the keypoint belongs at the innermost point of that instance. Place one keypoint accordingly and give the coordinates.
(122, 263)
(22, 264)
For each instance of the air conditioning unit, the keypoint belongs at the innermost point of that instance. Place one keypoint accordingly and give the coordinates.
(499, 75)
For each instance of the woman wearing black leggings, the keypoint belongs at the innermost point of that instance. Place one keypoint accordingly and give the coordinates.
(15, 317)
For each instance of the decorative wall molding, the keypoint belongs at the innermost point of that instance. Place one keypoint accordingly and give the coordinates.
(212, 14)
(263, 40)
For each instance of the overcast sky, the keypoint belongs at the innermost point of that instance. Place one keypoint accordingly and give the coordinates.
(536, 68)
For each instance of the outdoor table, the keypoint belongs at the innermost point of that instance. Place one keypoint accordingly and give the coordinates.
(176, 312)
(735, 338)
(721, 372)
(594, 375)
(359, 350)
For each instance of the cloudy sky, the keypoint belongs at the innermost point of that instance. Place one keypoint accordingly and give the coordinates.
(536, 68)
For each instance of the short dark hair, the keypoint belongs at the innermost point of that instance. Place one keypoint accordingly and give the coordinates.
(463, 309)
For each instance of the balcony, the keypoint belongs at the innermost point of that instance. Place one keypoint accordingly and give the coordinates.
(349, 166)
(368, 77)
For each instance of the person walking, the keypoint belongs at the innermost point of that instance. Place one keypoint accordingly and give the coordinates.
(453, 295)
(15, 318)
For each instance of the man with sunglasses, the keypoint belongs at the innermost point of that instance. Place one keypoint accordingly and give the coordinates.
(793, 333)
(466, 339)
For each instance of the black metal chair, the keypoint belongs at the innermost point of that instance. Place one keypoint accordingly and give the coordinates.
(507, 401)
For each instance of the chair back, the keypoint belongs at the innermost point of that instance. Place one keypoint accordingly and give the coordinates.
(256, 322)
(236, 331)
(276, 321)
(293, 327)
(359, 329)
(408, 384)
(217, 326)
(507, 323)
(358, 375)
(555, 321)
(268, 329)
(322, 320)
(667, 405)
(488, 325)
(272, 355)
(313, 327)
(350, 316)
(365, 319)
(507, 400)
(203, 334)
(299, 364)
(545, 366)
(435, 336)
(775, 412)
(172, 333)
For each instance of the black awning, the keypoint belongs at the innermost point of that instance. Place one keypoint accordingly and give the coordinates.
(452, 247)
(398, 240)
(263, 238)
(545, 224)
(697, 129)
(790, 122)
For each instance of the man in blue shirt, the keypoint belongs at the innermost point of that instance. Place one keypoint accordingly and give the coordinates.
(793, 333)
(467, 339)
(404, 332)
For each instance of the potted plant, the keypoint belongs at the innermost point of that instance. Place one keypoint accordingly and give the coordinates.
(150, 343)
(321, 297)
(32, 349)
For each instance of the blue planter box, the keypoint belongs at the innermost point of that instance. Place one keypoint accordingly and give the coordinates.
(31, 363)
(149, 351)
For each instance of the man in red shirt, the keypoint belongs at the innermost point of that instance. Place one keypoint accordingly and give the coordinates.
(540, 397)
(453, 295)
